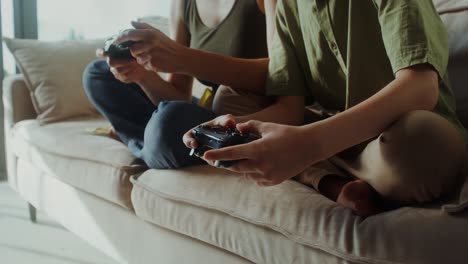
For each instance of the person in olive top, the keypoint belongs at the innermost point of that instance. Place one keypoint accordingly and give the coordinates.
(150, 114)
(383, 66)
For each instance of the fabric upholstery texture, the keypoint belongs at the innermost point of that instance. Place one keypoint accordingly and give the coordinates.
(114, 230)
(17, 106)
(249, 239)
(101, 166)
(202, 201)
(16, 100)
(53, 73)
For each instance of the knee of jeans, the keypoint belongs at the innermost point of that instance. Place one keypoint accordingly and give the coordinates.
(425, 153)
(158, 151)
(94, 71)
(182, 115)
(157, 160)
(164, 147)
(165, 151)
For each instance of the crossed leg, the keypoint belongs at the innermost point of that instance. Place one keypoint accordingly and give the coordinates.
(417, 159)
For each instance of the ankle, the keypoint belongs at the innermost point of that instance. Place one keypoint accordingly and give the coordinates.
(331, 185)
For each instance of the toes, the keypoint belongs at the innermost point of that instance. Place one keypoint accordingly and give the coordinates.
(356, 190)
(358, 196)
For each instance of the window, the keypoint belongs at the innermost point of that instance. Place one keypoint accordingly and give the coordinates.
(84, 19)
(7, 31)
(91, 19)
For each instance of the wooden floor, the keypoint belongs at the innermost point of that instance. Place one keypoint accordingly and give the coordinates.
(46, 242)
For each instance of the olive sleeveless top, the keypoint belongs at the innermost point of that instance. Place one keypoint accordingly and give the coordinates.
(242, 34)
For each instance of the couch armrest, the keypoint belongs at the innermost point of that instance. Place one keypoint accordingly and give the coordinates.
(17, 107)
(16, 100)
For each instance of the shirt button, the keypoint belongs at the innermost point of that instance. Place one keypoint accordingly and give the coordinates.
(333, 46)
(314, 9)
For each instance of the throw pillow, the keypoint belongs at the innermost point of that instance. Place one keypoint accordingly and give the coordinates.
(53, 73)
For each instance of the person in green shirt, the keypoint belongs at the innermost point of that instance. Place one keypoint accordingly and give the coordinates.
(382, 65)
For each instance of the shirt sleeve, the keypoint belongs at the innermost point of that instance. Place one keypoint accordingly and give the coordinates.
(285, 76)
(413, 33)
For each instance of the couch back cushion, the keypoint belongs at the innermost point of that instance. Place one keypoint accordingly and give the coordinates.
(53, 73)
(454, 14)
(53, 70)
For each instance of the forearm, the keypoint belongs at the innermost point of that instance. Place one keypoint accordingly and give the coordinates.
(157, 89)
(368, 119)
(245, 74)
(287, 110)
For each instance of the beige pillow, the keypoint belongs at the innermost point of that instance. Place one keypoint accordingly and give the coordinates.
(53, 72)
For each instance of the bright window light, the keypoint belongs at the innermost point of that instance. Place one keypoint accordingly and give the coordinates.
(91, 19)
(7, 31)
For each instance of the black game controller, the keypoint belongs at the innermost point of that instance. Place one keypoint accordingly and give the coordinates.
(119, 51)
(215, 137)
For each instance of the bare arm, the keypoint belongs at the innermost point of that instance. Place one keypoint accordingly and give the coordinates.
(243, 74)
(180, 34)
(177, 86)
(253, 72)
(287, 110)
(414, 88)
(159, 53)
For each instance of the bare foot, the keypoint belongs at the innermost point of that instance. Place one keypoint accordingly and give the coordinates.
(360, 197)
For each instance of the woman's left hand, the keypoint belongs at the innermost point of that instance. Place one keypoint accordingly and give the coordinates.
(281, 153)
(154, 50)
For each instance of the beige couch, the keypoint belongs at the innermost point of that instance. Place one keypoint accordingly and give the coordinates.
(97, 190)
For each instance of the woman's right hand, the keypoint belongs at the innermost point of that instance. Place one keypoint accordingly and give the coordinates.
(124, 70)
(153, 49)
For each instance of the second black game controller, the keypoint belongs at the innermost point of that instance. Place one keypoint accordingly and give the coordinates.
(216, 137)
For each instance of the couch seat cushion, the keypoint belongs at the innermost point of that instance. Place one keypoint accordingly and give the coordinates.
(290, 222)
(99, 165)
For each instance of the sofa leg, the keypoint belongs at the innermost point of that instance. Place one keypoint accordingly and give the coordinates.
(32, 212)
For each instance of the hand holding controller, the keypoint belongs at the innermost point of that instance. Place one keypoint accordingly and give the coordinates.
(215, 137)
(119, 51)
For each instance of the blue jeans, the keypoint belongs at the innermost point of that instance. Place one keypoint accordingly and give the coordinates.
(152, 133)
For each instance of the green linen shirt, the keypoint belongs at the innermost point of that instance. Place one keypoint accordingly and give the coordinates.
(341, 52)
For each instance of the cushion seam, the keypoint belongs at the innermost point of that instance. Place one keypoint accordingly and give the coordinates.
(124, 203)
(288, 234)
(122, 174)
(123, 167)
